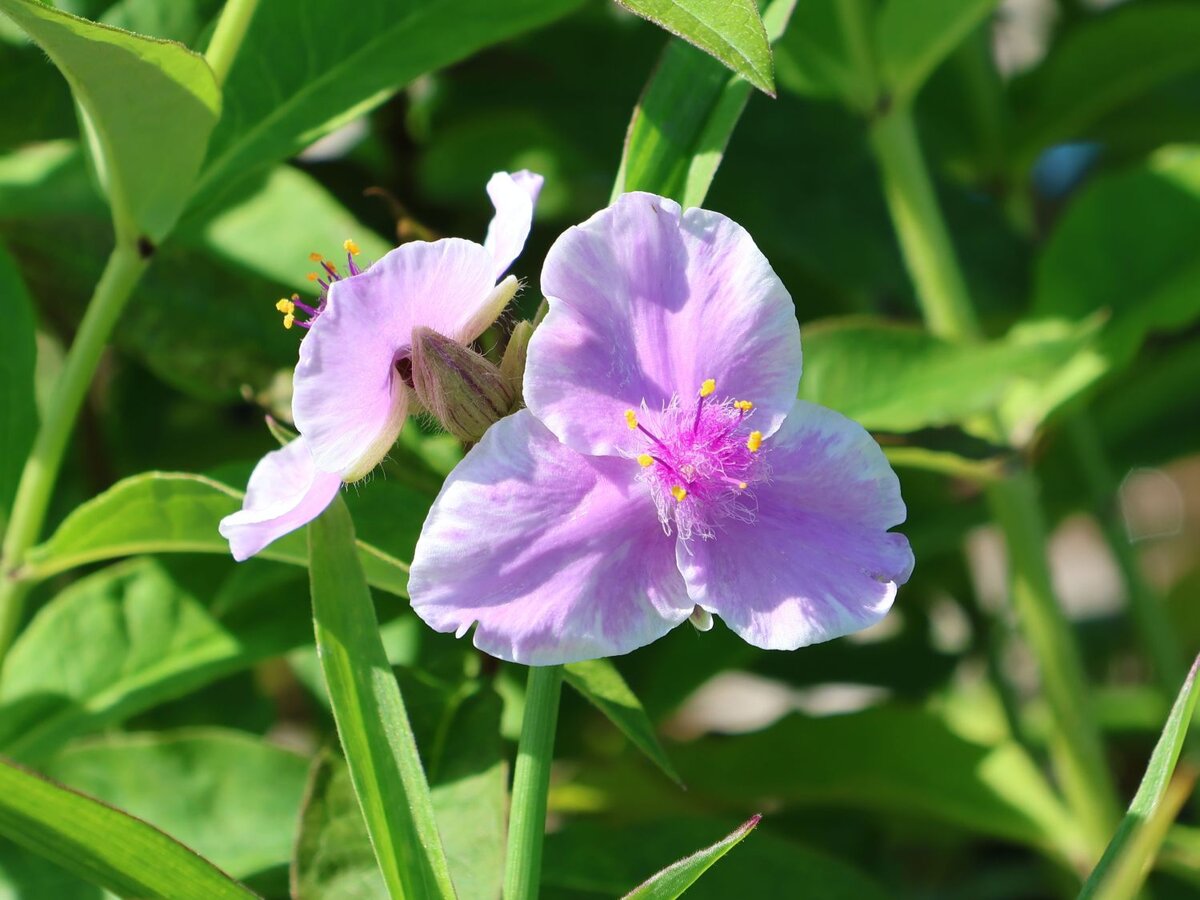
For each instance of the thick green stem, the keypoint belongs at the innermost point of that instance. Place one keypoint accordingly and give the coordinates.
(1145, 604)
(531, 784)
(125, 267)
(1076, 747)
(227, 37)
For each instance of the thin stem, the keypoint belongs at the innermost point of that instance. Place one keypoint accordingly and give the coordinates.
(228, 35)
(531, 784)
(124, 269)
(1076, 748)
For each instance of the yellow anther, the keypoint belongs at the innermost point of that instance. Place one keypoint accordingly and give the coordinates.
(350, 247)
(707, 386)
(288, 320)
(742, 485)
(645, 460)
(315, 256)
(287, 307)
(743, 405)
(754, 441)
(679, 493)
(630, 418)
(312, 276)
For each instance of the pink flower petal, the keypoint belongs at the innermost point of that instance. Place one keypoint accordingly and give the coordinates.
(818, 561)
(514, 197)
(646, 303)
(285, 492)
(558, 557)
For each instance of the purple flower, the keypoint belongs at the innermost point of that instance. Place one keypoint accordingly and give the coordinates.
(351, 396)
(664, 468)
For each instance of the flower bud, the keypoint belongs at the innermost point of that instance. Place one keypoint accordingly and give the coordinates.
(512, 366)
(462, 390)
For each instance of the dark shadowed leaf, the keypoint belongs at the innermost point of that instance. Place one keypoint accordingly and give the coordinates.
(18, 355)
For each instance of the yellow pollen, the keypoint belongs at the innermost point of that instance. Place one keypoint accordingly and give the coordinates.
(288, 320)
(287, 307)
(312, 276)
(754, 441)
(708, 386)
(350, 247)
(744, 405)
(645, 460)
(630, 418)
(742, 485)
(678, 493)
(315, 256)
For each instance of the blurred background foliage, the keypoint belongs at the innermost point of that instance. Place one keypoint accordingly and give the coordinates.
(1064, 140)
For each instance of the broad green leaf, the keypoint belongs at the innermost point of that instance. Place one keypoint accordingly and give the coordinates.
(672, 881)
(229, 796)
(130, 87)
(305, 69)
(599, 681)
(18, 357)
(728, 30)
(891, 760)
(896, 378)
(165, 512)
(915, 36)
(1101, 66)
(588, 859)
(333, 859)
(127, 638)
(684, 120)
(1132, 850)
(104, 845)
(469, 788)
(371, 720)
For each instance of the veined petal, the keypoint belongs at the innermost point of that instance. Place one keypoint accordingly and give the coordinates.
(514, 197)
(647, 303)
(285, 492)
(558, 557)
(349, 400)
(817, 562)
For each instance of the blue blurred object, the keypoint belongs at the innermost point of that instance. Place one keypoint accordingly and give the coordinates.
(1060, 169)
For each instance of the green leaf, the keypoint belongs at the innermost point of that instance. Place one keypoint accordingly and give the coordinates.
(728, 30)
(599, 681)
(305, 69)
(1131, 852)
(18, 357)
(173, 512)
(103, 844)
(915, 36)
(606, 860)
(371, 720)
(130, 637)
(672, 881)
(896, 378)
(228, 795)
(684, 120)
(1103, 65)
(813, 59)
(129, 87)
(333, 858)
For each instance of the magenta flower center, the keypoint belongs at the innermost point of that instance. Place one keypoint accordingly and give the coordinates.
(701, 461)
(293, 307)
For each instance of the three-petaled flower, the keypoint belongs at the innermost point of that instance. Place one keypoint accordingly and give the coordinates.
(351, 395)
(664, 468)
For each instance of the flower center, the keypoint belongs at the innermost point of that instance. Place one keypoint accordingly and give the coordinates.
(329, 273)
(701, 460)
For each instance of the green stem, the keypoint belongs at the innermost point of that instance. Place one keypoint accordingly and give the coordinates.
(124, 269)
(1145, 604)
(531, 784)
(1076, 748)
(228, 35)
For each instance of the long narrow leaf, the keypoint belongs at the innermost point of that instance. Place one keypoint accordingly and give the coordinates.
(371, 719)
(679, 876)
(104, 845)
(1127, 859)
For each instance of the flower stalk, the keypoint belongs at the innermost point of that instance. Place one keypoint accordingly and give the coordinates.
(531, 784)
